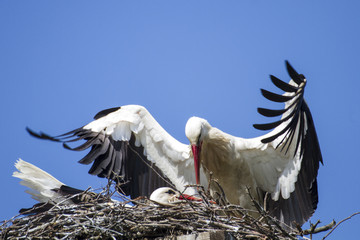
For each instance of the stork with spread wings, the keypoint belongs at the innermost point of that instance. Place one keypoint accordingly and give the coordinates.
(128, 142)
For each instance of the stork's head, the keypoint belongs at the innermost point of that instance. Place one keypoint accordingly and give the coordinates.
(169, 196)
(164, 195)
(196, 130)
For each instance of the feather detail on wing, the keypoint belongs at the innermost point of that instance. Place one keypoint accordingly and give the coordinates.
(285, 161)
(128, 145)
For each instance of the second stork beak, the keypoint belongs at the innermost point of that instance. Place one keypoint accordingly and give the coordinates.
(196, 152)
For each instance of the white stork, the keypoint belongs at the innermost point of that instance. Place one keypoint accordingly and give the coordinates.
(282, 164)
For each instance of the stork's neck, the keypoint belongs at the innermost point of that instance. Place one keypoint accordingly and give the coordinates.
(196, 131)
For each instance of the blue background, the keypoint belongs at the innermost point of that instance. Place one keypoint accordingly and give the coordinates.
(63, 61)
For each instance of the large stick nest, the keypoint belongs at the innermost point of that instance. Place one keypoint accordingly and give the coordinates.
(96, 218)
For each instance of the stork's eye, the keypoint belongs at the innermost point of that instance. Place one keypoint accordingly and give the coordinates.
(171, 192)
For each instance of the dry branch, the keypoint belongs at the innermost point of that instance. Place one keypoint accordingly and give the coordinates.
(334, 227)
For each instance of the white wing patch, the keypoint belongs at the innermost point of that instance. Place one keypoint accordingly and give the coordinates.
(274, 171)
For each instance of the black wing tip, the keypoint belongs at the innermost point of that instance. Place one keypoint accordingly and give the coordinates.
(274, 96)
(289, 67)
(286, 87)
(298, 78)
(31, 132)
(295, 76)
(41, 135)
(66, 146)
(272, 77)
(270, 113)
(266, 126)
(105, 112)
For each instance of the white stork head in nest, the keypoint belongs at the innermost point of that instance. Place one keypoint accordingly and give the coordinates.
(165, 195)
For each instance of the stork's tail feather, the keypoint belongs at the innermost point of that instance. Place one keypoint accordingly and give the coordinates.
(41, 183)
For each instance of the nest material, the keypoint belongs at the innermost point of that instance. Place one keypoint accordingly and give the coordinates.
(115, 220)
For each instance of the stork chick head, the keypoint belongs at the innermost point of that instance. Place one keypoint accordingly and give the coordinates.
(165, 195)
(196, 130)
(168, 196)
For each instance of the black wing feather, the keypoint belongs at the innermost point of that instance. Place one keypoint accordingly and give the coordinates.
(283, 85)
(298, 78)
(275, 97)
(271, 113)
(96, 150)
(105, 112)
(303, 201)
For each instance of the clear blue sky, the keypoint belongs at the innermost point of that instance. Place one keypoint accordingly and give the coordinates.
(63, 61)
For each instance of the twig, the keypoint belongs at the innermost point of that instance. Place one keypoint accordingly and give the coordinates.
(313, 229)
(339, 224)
(267, 216)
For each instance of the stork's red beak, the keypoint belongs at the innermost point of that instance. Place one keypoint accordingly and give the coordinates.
(196, 152)
(189, 197)
(193, 198)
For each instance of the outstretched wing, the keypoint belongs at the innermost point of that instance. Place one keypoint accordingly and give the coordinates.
(127, 144)
(285, 162)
